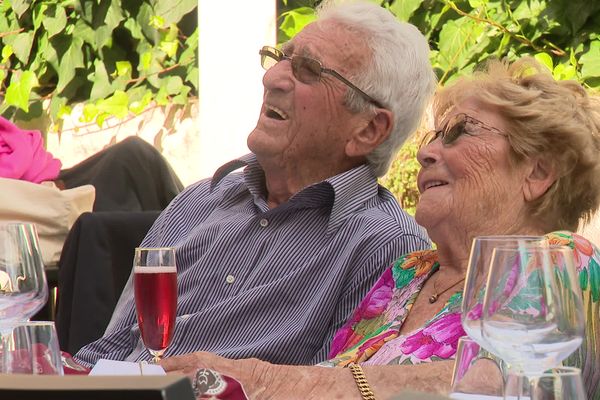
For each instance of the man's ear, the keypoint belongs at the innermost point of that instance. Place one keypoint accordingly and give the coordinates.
(377, 130)
(541, 175)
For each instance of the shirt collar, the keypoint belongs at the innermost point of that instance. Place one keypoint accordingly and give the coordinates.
(349, 190)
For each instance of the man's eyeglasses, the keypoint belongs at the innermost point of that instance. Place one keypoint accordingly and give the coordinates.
(456, 126)
(306, 69)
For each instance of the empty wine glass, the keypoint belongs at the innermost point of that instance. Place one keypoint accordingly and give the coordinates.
(23, 289)
(30, 347)
(477, 276)
(155, 286)
(563, 383)
(532, 311)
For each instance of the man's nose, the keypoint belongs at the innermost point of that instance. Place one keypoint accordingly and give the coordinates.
(279, 77)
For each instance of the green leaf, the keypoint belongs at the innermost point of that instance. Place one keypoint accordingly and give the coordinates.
(138, 106)
(182, 97)
(20, 6)
(158, 22)
(22, 46)
(55, 20)
(461, 40)
(295, 20)
(564, 72)
(192, 77)
(162, 98)
(174, 84)
(170, 48)
(143, 19)
(404, 9)
(173, 10)
(90, 111)
(102, 87)
(117, 104)
(7, 51)
(590, 61)
(69, 62)
(19, 90)
(545, 59)
(477, 3)
(190, 49)
(145, 61)
(104, 32)
(38, 13)
(64, 111)
(123, 68)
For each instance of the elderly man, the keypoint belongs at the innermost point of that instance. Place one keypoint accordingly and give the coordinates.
(271, 260)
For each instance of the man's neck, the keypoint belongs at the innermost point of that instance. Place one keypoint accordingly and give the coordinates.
(283, 182)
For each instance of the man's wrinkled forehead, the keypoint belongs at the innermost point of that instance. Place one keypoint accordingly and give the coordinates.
(328, 39)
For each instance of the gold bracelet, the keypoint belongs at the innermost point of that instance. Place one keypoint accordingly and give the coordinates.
(361, 381)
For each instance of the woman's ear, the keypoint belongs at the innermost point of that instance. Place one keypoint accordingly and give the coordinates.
(376, 131)
(541, 175)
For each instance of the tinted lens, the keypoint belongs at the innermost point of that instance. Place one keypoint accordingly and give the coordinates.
(453, 131)
(306, 69)
(269, 57)
(429, 137)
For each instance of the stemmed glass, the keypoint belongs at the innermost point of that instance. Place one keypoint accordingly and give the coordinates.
(155, 286)
(23, 289)
(477, 277)
(532, 311)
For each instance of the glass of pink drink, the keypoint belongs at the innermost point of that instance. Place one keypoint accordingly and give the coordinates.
(155, 285)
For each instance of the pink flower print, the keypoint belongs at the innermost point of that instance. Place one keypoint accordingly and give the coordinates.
(378, 298)
(438, 339)
(340, 340)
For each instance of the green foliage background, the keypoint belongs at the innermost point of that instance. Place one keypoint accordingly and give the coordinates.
(564, 35)
(116, 56)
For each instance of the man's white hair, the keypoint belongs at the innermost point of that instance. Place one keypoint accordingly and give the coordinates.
(399, 74)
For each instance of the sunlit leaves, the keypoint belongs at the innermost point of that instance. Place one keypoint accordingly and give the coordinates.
(403, 10)
(171, 11)
(590, 61)
(114, 55)
(18, 92)
(294, 20)
(55, 20)
(460, 42)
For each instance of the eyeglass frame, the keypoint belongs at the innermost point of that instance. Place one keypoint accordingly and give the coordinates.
(435, 134)
(278, 55)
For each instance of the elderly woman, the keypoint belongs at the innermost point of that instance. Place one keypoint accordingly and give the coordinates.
(514, 152)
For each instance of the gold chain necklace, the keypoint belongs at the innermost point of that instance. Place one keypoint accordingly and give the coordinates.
(435, 296)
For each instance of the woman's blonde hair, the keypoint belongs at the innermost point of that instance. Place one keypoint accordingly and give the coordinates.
(556, 120)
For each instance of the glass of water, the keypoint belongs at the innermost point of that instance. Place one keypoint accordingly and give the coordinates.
(532, 311)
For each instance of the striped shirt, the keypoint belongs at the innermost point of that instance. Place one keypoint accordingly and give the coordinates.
(274, 284)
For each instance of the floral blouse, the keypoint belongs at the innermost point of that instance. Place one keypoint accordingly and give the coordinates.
(371, 336)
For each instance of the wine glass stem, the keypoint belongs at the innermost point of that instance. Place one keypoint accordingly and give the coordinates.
(156, 355)
(533, 388)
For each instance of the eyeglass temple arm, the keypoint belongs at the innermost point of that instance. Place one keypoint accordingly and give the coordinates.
(347, 82)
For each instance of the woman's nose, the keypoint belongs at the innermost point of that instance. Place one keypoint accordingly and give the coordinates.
(429, 154)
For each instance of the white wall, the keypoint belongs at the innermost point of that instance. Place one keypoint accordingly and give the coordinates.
(231, 33)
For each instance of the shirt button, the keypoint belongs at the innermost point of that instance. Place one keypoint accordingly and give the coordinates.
(230, 279)
(264, 222)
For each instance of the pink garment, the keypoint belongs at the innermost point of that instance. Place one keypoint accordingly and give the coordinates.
(22, 155)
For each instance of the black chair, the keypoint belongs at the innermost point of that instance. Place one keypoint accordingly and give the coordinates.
(94, 266)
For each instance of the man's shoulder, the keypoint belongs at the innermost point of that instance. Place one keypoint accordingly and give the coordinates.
(385, 208)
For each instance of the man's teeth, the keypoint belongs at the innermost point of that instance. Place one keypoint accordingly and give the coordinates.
(275, 112)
